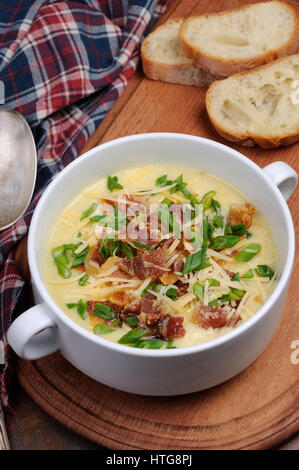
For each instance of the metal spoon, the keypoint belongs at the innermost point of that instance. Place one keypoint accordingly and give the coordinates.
(17, 180)
(18, 164)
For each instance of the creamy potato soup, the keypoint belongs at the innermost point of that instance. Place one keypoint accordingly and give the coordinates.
(160, 256)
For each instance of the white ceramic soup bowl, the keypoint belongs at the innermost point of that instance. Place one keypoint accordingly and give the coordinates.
(44, 328)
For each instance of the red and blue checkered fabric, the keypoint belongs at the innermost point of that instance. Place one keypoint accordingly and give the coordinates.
(63, 65)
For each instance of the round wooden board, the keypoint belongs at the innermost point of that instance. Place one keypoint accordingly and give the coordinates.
(255, 410)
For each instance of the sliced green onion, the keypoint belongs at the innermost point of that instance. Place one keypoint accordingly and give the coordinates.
(196, 261)
(224, 241)
(236, 277)
(155, 286)
(104, 311)
(72, 305)
(61, 261)
(132, 321)
(166, 202)
(149, 344)
(170, 344)
(216, 206)
(115, 322)
(89, 211)
(112, 183)
(234, 294)
(128, 250)
(142, 245)
(63, 270)
(133, 336)
(239, 229)
(263, 270)
(218, 221)
(102, 329)
(213, 282)
(249, 252)
(248, 275)
(207, 228)
(97, 218)
(83, 280)
(206, 200)
(81, 307)
(79, 257)
(163, 181)
(198, 291)
(172, 293)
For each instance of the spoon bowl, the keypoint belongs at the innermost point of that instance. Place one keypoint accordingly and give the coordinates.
(18, 162)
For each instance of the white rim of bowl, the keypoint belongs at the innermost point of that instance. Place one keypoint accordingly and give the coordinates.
(39, 283)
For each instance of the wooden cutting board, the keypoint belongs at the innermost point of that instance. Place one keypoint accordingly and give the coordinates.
(255, 410)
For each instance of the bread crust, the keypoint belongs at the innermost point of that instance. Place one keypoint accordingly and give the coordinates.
(246, 139)
(225, 67)
(179, 73)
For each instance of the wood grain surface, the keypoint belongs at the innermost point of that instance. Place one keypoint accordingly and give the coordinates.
(255, 410)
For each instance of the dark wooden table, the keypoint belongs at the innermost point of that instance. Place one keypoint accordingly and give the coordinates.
(32, 429)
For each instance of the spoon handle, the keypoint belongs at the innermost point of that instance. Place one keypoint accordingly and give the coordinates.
(4, 443)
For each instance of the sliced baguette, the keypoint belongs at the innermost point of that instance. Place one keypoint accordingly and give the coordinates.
(164, 59)
(258, 107)
(240, 39)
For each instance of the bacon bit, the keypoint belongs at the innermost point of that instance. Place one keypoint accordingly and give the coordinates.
(179, 264)
(111, 203)
(157, 257)
(96, 256)
(134, 306)
(167, 243)
(150, 306)
(135, 266)
(119, 298)
(234, 253)
(182, 288)
(168, 278)
(110, 262)
(147, 305)
(152, 319)
(210, 317)
(174, 328)
(90, 305)
(241, 214)
(81, 268)
(229, 273)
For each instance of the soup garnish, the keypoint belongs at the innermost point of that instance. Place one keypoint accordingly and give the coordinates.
(151, 285)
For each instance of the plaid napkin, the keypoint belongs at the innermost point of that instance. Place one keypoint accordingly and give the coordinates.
(63, 65)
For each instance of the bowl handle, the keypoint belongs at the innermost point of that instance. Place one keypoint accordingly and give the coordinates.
(33, 334)
(283, 175)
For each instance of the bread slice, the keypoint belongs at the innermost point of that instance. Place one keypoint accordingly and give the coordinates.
(260, 106)
(240, 39)
(164, 59)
